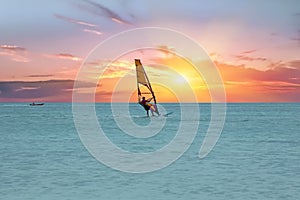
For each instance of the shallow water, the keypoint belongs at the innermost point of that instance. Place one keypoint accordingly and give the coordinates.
(256, 157)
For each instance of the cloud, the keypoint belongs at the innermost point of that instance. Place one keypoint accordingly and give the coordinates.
(66, 56)
(286, 72)
(215, 56)
(294, 64)
(166, 50)
(281, 87)
(117, 70)
(297, 38)
(112, 69)
(100, 10)
(249, 51)
(103, 96)
(33, 89)
(92, 31)
(276, 64)
(249, 84)
(39, 75)
(91, 28)
(12, 48)
(15, 53)
(51, 90)
(249, 58)
(75, 21)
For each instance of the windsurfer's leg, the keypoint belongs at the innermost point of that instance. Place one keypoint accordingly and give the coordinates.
(154, 110)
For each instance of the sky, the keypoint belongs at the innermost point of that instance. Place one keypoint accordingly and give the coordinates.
(254, 44)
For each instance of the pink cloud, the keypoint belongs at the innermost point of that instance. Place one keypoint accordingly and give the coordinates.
(92, 31)
(66, 56)
(12, 48)
(249, 58)
(15, 53)
(246, 83)
(249, 51)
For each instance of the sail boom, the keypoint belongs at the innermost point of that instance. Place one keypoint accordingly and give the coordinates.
(145, 93)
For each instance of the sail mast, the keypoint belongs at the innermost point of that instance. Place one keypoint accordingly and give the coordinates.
(143, 79)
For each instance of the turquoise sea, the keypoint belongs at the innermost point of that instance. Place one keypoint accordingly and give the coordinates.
(257, 155)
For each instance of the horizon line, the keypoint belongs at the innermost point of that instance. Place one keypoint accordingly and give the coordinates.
(105, 102)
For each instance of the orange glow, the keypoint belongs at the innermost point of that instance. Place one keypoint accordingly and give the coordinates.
(182, 75)
(163, 94)
(175, 79)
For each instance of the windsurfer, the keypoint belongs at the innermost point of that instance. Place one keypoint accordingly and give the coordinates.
(147, 106)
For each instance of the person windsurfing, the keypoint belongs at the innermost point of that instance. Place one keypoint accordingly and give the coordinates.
(147, 105)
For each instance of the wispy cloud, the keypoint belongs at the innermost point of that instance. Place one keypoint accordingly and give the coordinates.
(276, 65)
(75, 21)
(249, 51)
(66, 56)
(166, 49)
(92, 31)
(90, 27)
(40, 75)
(116, 69)
(249, 58)
(15, 53)
(296, 38)
(115, 72)
(246, 56)
(100, 10)
(12, 48)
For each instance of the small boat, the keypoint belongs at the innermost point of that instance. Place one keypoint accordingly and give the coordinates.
(36, 104)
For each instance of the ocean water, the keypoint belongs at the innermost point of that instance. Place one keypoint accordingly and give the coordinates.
(256, 157)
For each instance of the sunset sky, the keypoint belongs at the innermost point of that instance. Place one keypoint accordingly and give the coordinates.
(254, 44)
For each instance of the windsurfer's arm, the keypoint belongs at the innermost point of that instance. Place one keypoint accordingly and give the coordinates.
(149, 99)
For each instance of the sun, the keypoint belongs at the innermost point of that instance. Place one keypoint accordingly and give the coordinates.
(180, 79)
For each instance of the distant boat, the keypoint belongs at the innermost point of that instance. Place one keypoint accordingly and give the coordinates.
(36, 104)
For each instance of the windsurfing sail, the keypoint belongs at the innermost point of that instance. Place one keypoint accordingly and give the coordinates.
(144, 87)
